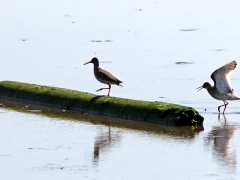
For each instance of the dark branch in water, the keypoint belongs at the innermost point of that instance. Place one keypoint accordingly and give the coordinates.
(183, 62)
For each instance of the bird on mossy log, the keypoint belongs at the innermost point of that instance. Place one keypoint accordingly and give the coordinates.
(103, 76)
(222, 89)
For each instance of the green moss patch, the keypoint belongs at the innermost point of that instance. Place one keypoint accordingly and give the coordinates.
(145, 111)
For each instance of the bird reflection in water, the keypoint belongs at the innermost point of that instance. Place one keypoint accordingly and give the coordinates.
(104, 141)
(220, 138)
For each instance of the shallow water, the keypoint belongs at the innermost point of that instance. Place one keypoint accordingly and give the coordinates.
(139, 42)
(57, 144)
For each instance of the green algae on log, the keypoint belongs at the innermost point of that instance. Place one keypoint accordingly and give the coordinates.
(144, 111)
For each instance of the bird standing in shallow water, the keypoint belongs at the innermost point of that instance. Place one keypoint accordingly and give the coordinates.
(103, 76)
(222, 89)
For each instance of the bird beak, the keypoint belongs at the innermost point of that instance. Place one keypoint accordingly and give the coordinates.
(199, 88)
(87, 63)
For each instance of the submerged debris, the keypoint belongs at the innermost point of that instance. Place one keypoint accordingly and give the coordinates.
(183, 63)
(106, 62)
(108, 40)
(66, 15)
(96, 41)
(188, 29)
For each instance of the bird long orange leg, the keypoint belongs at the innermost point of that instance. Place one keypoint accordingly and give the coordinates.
(225, 104)
(109, 87)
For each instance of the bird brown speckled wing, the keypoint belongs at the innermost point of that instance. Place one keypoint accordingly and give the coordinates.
(221, 77)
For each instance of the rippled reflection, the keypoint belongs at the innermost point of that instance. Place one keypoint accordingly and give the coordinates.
(183, 132)
(220, 139)
(104, 141)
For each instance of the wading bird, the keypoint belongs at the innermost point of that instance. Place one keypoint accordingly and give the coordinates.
(103, 76)
(222, 89)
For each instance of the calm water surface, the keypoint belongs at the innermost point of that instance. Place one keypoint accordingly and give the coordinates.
(40, 145)
(140, 42)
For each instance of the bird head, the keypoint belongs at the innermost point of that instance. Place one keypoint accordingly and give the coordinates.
(206, 85)
(94, 61)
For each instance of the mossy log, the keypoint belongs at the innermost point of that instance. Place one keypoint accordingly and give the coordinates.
(144, 111)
